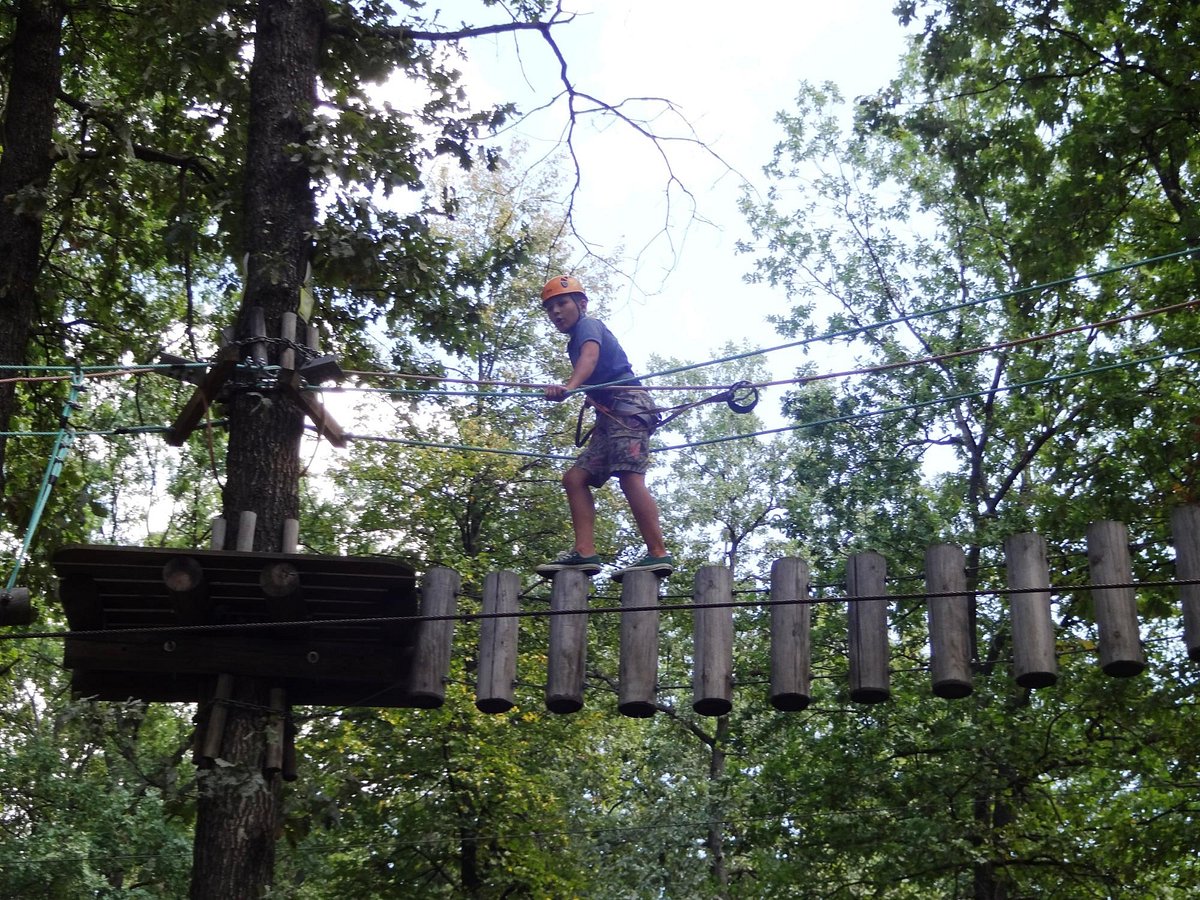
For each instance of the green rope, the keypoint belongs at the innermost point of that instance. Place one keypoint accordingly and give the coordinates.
(62, 447)
(433, 445)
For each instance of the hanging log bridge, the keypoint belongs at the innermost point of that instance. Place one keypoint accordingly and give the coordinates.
(173, 625)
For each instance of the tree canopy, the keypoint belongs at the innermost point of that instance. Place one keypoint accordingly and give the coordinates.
(1003, 243)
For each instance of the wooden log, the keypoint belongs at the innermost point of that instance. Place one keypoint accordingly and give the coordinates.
(217, 539)
(203, 397)
(15, 608)
(949, 621)
(288, 772)
(247, 522)
(291, 536)
(1185, 532)
(712, 677)
(275, 732)
(257, 323)
(568, 642)
(498, 643)
(866, 574)
(435, 640)
(1121, 653)
(322, 419)
(184, 579)
(214, 730)
(637, 679)
(287, 331)
(791, 651)
(1034, 662)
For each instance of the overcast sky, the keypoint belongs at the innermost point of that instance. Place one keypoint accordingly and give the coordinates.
(729, 68)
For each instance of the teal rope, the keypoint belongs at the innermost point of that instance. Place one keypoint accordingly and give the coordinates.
(106, 368)
(1051, 379)
(426, 392)
(433, 445)
(62, 447)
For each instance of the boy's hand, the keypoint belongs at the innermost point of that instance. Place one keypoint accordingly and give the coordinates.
(555, 392)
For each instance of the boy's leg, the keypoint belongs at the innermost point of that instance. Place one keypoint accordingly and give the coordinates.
(583, 510)
(645, 511)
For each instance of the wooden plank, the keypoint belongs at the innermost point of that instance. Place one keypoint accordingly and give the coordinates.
(169, 687)
(204, 396)
(324, 422)
(211, 653)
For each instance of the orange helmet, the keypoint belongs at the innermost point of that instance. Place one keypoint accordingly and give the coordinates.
(562, 284)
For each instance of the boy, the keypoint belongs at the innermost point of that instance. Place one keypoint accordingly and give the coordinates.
(620, 442)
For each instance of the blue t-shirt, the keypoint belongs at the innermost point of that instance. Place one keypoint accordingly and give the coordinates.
(613, 364)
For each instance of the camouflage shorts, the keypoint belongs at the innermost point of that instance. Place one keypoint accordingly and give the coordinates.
(620, 441)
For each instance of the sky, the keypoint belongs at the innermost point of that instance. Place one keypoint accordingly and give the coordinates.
(729, 69)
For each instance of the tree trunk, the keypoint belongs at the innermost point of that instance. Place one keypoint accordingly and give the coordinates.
(28, 132)
(238, 810)
(715, 839)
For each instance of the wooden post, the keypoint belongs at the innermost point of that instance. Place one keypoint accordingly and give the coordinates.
(276, 732)
(258, 330)
(435, 640)
(291, 536)
(866, 574)
(1034, 663)
(289, 772)
(949, 621)
(208, 689)
(214, 731)
(287, 331)
(568, 642)
(791, 652)
(1121, 652)
(217, 540)
(246, 525)
(498, 643)
(637, 695)
(1185, 531)
(712, 677)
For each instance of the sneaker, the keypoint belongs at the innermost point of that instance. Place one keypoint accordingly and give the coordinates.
(588, 565)
(662, 566)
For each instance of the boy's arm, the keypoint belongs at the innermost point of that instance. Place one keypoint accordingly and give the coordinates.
(589, 355)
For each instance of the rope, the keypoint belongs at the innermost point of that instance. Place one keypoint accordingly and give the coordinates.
(105, 634)
(63, 442)
(835, 420)
(908, 407)
(1004, 295)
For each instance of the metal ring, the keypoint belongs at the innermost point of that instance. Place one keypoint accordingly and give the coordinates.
(742, 397)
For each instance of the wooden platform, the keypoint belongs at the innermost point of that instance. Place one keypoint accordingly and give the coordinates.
(320, 661)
